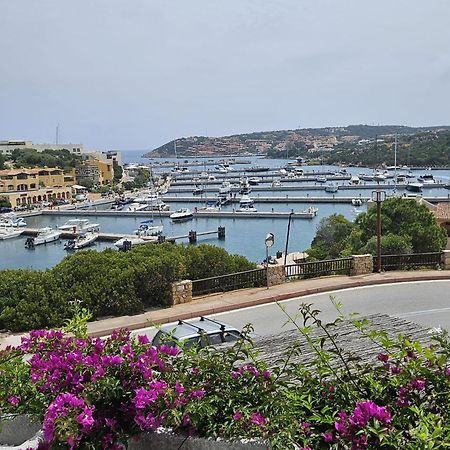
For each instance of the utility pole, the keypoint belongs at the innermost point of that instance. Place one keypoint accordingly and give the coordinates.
(287, 237)
(378, 197)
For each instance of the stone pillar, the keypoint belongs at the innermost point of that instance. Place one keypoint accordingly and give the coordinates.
(275, 275)
(181, 292)
(445, 259)
(361, 265)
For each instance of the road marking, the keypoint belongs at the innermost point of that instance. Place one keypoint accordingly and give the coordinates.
(425, 311)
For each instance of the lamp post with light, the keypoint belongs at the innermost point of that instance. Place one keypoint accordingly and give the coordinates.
(378, 197)
(268, 241)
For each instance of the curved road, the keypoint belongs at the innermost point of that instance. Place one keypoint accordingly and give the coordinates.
(426, 303)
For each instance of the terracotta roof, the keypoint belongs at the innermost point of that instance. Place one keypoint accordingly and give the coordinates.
(18, 171)
(442, 211)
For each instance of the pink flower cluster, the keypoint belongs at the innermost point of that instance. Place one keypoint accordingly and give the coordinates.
(350, 428)
(104, 388)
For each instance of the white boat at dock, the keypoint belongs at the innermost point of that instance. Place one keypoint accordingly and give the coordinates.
(253, 181)
(181, 215)
(357, 201)
(79, 226)
(308, 213)
(133, 241)
(246, 204)
(331, 188)
(9, 232)
(12, 220)
(225, 188)
(136, 207)
(44, 236)
(321, 179)
(82, 241)
(414, 187)
(147, 228)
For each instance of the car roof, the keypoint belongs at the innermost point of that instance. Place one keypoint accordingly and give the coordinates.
(185, 329)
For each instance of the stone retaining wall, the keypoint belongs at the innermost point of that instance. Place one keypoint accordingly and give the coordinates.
(181, 292)
(275, 275)
(361, 264)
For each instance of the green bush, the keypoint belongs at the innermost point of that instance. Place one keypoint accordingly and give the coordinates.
(107, 282)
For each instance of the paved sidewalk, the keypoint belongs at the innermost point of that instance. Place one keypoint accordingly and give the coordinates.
(216, 303)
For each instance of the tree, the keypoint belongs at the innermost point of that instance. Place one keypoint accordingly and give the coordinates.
(331, 240)
(406, 218)
(4, 202)
(2, 162)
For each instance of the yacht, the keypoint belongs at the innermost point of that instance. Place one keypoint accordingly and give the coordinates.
(79, 226)
(246, 204)
(12, 220)
(136, 207)
(44, 236)
(331, 187)
(225, 188)
(253, 181)
(181, 215)
(81, 241)
(146, 228)
(9, 232)
(133, 241)
(426, 178)
(198, 191)
(414, 187)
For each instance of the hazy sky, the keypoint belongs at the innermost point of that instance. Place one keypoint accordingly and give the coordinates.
(133, 74)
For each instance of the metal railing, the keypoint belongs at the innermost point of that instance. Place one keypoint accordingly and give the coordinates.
(340, 266)
(409, 261)
(222, 283)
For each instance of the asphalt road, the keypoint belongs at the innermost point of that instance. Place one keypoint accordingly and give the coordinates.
(426, 303)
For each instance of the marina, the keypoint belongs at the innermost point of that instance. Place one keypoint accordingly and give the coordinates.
(276, 197)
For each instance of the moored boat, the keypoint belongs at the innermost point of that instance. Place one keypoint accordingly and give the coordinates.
(82, 241)
(45, 235)
(9, 232)
(79, 225)
(147, 228)
(246, 204)
(181, 215)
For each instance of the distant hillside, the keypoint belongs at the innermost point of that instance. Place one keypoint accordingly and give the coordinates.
(290, 143)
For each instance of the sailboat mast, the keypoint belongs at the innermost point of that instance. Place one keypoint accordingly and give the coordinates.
(395, 163)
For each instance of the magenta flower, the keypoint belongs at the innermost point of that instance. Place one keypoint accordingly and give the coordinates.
(418, 384)
(13, 400)
(237, 415)
(258, 419)
(328, 436)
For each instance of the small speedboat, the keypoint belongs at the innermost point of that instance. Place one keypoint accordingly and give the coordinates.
(9, 232)
(81, 241)
(12, 220)
(308, 213)
(331, 188)
(357, 202)
(198, 191)
(181, 214)
(253, 181)
(79, 226)
(321, 179)
(133, 241)
(146, 228)
(246, 204)
(45, 235)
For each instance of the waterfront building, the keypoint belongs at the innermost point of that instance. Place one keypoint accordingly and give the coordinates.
(28, 186)
(100, 172)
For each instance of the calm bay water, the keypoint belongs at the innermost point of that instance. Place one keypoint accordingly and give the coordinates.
(243, 236)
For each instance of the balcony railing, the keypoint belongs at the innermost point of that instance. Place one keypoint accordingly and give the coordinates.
(222, 283)
(409, 261)
(340, 266)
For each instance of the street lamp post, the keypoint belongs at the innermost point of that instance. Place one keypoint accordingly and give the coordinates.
(269, 241)
(287, 237)
(378, 197)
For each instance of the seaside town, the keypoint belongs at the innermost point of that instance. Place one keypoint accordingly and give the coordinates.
(224, 226)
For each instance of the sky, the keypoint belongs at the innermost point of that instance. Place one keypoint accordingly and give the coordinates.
(134, 74)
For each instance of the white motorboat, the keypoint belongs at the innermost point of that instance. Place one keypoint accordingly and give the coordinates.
(146, 228)
(79, 226)
(426, 178)
(276, 183)
(331, 187)
(211, 205)
(225, 188)
(136, 207)
(321, 179)
(198, 191)
(357, 201)
(44, 236)
(9, 232)
(81, 241)
(253, 181)
(414, 187)
(12, 220)
(181, 215)
(308, 213)
(133, 241)
(246, 204)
